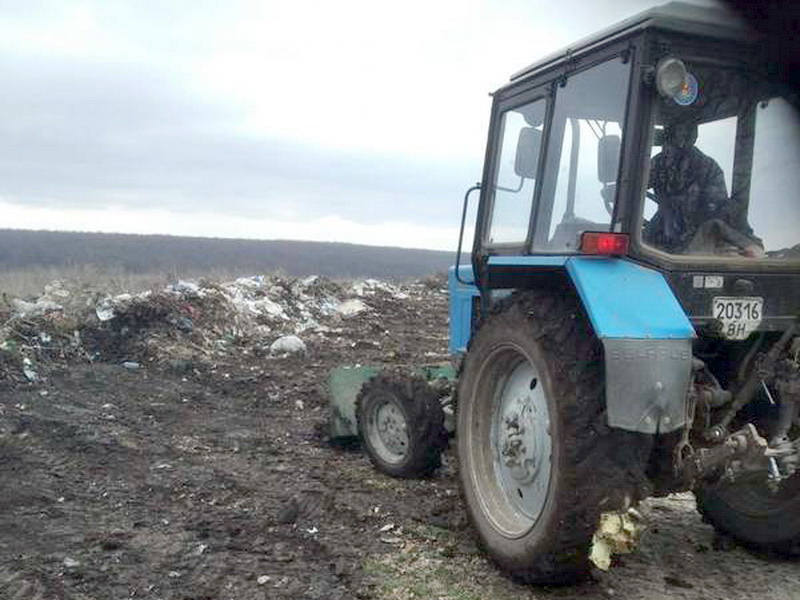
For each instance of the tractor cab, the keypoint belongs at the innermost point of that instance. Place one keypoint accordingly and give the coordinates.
(663, 140)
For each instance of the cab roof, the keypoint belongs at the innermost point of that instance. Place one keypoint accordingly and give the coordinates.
(677, 17)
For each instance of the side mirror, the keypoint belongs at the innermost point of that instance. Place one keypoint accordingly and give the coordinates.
(527, 159)
(608, 158)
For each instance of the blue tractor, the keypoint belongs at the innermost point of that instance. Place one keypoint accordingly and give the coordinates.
(628, 326)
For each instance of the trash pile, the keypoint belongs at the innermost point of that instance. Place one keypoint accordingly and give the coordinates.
(186, 323)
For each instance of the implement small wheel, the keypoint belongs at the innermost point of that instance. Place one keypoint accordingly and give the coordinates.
(401, 424)
(754, 515)
(532, 441)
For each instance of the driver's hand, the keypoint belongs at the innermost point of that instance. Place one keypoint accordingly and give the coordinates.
(754, 251)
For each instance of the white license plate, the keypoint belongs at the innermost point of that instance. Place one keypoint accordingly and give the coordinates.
(739, 316)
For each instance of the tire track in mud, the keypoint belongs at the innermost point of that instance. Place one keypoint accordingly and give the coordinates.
(16, 586)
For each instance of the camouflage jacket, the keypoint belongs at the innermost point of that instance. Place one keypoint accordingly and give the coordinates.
(689, 188)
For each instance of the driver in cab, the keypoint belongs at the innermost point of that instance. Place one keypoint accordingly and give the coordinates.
(695, 215)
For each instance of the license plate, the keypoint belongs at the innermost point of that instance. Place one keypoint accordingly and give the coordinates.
(740, 316)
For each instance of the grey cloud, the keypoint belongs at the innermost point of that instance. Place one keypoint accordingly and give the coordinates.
(84, 134)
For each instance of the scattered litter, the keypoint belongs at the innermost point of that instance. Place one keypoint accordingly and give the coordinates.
(185, 287)
(39, 308)
(387, 527)
(191, 325)
(28, 370)
(71, 563)
(263, 579)
(618, 533)
(312, 530)
(105, 310)
(199, 549)
(290, 344)
(352, 307)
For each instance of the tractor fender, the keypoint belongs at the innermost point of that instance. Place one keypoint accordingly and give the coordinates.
(647, 339)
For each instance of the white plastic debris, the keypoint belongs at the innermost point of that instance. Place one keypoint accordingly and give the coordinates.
(267, 306)
(387, 527)
(351, 307)
(253, 282)
(618, 533)
(183, 287)
(56, 289)
(263, 579)
(199, 549)
(28, 370)
(290, 344)
(307, 281)
(71, 563)
(246, 305)
(41, 307)
(105, 310)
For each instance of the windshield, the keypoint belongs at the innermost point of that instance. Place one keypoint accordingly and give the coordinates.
(724, 170)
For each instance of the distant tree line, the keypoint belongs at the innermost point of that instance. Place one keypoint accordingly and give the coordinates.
(162, 253)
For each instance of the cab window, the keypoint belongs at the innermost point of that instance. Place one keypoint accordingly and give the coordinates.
(579, 182)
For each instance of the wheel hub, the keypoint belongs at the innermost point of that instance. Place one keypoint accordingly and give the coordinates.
(519, 458)
(392, 429)
(521, 437)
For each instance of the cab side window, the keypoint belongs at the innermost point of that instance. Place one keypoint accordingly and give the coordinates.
(514, 181)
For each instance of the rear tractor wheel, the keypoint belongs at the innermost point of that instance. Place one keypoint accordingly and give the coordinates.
(532, 443)
(764, 519)
(401, 423)
(761, 514)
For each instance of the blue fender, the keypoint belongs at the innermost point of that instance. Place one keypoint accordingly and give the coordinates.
(645, 332)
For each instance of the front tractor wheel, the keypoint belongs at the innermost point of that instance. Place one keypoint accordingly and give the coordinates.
(401, 423)
(530, 438)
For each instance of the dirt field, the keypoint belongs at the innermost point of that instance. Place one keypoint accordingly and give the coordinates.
(215, 480)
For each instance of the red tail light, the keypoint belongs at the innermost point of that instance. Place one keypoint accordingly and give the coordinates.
(594, 242)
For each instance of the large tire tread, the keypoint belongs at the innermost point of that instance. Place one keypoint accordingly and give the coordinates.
(593, 480)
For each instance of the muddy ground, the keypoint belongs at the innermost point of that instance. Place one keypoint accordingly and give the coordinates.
(217, 481)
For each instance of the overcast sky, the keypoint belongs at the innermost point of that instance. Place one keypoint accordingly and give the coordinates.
(357, 120)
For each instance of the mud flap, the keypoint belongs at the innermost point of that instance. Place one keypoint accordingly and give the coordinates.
(647, 339)
(646, 383)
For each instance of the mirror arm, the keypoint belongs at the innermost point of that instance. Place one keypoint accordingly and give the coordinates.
(475, 187)
(512, 190)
